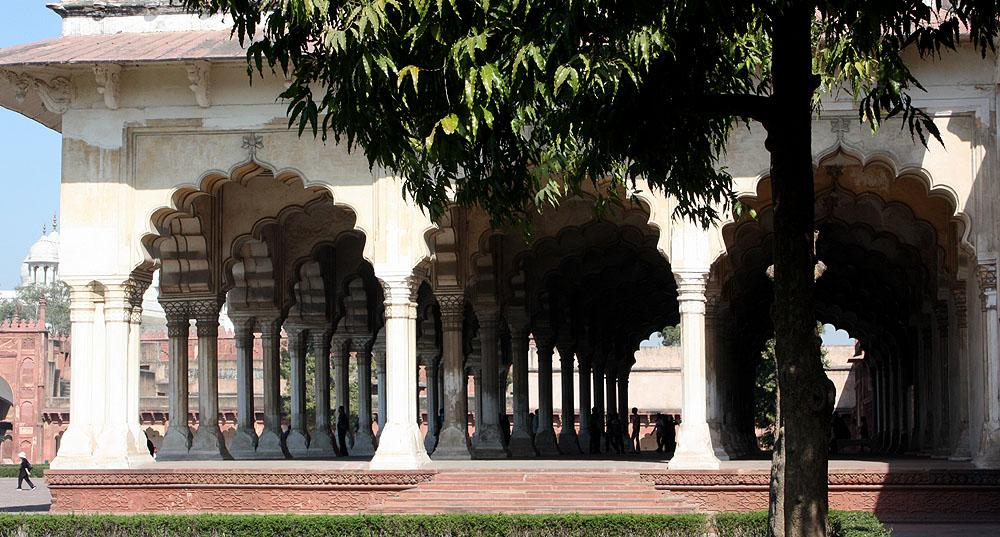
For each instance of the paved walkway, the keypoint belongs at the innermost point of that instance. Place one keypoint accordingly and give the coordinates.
(940, 530)
(25, 501)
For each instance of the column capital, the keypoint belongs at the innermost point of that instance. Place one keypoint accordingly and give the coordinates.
(204, 310)
(243, 326)
(269, 326)
(691, 288)
(452, 306)
(986, 272)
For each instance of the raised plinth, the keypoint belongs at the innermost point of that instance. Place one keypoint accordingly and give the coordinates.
(229, 491)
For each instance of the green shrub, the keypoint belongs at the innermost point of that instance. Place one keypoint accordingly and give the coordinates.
(464, 525)
(842, 524)
(11, 470)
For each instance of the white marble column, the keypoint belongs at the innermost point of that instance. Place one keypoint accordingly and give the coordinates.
(694, 446)
(270, 444)
(960, 444)
(321, 444)
(521, 444)
(244, 442)
(177, 440)
(400, 445)
(380, 381)
(115, 448)
(364, 442)
(297, 441)
(545, 438)
(597, 373)
(713, 372)
(583, 359)
(489, 443)
(208, 443)
(942, 363)
(989, 446)
(139, 452)
(77, 445)
(453, 440)
(431, 372)
(569, 442)
(623, 410)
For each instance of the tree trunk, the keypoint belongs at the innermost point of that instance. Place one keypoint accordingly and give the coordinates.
(805, 401)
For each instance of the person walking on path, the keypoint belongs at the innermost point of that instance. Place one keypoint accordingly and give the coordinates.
(25, 472)
(634, 419)
(342, 429)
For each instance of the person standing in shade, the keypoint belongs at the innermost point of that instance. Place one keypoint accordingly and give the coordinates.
(595, 431)
(634, 437)
(342, 430)
(670, 435)
(24, 474)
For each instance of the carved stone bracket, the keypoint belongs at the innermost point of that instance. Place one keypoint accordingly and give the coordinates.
(55, 94)
(200, 75)
(107, 78)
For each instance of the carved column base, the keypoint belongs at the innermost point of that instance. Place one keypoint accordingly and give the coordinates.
(718, 443)
(321, 446)
(297, 444)
(961, 451)
(243, 446)
(208, 445)
(430, 440)
(364, 444)
(400, 447)
(270, 446)
(546, 443)
(453, 445)
(583, 439)
(521, 444)
(569, 442)
(989, 450)
(175, 446)
(488, 444)
(694, 449)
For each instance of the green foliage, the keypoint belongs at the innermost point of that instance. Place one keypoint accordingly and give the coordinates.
(671, 336)
(842, 524)
(25, 305)
(363, 525)
(508, 104)
(11, 470)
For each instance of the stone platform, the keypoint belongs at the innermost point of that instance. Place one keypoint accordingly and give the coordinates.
(897, 491)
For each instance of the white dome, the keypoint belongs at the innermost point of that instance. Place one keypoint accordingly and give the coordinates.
(45, 250)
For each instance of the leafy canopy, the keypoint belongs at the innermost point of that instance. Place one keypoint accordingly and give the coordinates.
(508, 104)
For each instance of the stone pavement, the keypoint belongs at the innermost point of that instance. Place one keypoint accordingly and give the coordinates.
(25, 501)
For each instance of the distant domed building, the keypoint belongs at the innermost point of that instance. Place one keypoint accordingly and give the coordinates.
(42, 264)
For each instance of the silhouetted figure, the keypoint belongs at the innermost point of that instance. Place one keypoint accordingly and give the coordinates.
(615, 434)
(342, 429)
(840, 431)
(532, 424)
(439, 422)
(150, 447)
(634, 437)
(595, 430)
(659, 425)
(670, 435)
(24, 474)
(505, 428)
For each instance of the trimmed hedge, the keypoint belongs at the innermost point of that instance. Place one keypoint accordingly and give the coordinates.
(11, 470)
(465, 525)
(842, 524)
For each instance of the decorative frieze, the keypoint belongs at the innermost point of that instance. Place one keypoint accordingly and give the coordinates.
(107, 78)
(55, 94)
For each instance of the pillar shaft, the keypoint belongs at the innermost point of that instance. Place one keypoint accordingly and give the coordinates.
(623, 409)
(400, 444)
(568, 440)
(321, 444)
(114, 444)
(584, 381)
(364, 443)
(989, 446)
(453, 440)
(139, 451)
(545, 437)
(597, 373)
(177, 440)
(431, 376)
(77, 444)
(694, 447)
(297, 441)
(208, 443)
(244, 442)
(489, 442)
(270, 445)
(380, 381)
(941, 404)
(960, 443)
(521, 444)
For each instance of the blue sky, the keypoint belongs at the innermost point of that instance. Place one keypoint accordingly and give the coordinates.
(29, 152)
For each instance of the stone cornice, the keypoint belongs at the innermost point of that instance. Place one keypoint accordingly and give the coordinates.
(116, 8)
